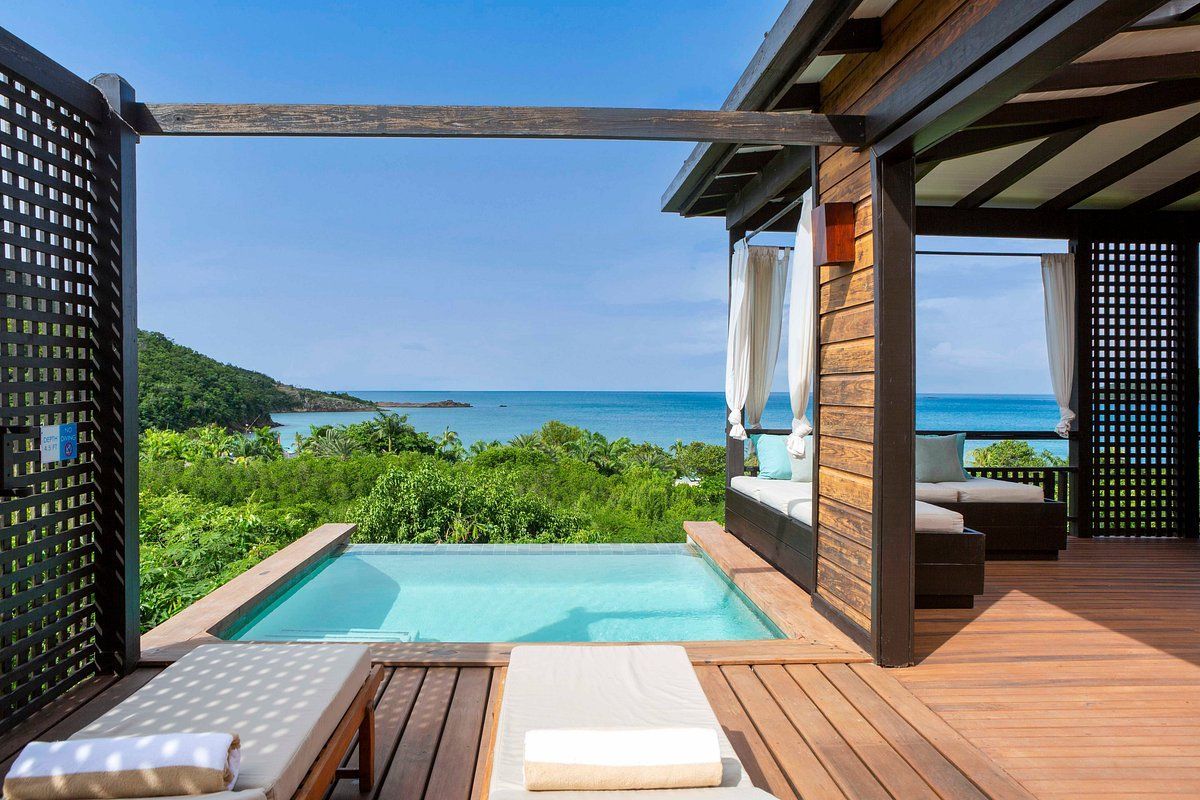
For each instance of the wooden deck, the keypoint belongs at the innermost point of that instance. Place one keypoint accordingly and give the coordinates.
(1080, 677)
(824, 731)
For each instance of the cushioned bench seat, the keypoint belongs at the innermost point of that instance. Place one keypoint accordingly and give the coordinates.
(283, 701)
(794, 499)
(980, 490)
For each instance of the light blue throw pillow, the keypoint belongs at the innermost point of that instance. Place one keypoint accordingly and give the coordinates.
(940, 458)
(773, 460)
(802, 468)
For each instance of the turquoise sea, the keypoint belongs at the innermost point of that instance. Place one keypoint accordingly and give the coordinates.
(661, 417)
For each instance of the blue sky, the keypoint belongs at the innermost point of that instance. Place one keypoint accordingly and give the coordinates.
(441, 264)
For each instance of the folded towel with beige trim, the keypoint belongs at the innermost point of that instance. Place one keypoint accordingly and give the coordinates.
(157, 765)
(614, 759)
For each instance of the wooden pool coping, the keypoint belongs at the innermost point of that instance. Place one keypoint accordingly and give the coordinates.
(810, 638)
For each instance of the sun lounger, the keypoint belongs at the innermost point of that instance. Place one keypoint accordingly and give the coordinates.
(296, 709)
(590, 687)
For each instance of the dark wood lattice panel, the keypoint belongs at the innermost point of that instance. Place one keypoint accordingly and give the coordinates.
(1138, 296)
(48, 282)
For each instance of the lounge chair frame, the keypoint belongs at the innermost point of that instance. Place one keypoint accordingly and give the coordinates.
(356, 728)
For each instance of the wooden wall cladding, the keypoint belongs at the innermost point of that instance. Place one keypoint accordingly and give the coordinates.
(914, 32)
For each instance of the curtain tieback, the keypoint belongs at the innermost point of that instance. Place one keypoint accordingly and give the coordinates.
(1065, 417)
(801, 428)
(735, 425)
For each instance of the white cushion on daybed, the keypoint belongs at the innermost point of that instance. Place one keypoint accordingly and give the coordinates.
(935, 519)
(793, 498)
(990, 490)
(937, 492)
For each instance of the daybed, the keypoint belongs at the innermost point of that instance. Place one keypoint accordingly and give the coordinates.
(295, 708)
(605, 687)
(774, 518)
(1020, 522)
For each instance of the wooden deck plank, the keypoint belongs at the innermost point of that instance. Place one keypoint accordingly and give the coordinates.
(753, 752)
(399, 695)
(408, 773)
(1101, 646)
(884, 762)
(487, 738)
(834, 751)
(802, 766)
(454, 767)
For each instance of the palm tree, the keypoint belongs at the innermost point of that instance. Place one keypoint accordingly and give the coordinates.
(529, 441)
(388, 431)
(331, 443)
(450, 446)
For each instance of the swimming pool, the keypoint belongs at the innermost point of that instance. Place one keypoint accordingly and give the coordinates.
(509, 593)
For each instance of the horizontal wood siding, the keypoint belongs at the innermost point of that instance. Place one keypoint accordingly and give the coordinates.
(914, 31)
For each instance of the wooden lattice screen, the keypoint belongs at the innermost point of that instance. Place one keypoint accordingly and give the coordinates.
(1140, 402)
(62, 535)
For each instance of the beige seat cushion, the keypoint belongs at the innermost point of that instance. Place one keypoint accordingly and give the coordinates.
(283, 700)
(613, 686)
(990, 490)
(937, 492)
(935, 519)
(793, 498)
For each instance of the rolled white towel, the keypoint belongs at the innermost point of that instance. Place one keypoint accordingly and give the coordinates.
(587, 760)
(125, 766)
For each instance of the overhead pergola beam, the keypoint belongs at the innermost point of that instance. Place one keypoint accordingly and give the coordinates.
(1023, 166)
(753, 127)
(1175, 14)
(856, 36)
(1135, 102)
(1018, 44)
(1122, 168)
(767, 186)
(799, 35)
(1179, 190)
(1122, 71)
(1035, 223)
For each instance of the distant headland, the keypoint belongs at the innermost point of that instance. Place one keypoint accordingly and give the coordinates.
(434, 404)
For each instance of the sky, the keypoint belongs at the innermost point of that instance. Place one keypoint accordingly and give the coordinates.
(465, 264)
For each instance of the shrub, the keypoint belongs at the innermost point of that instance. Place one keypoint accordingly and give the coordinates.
(433, 505)
(1013, 453)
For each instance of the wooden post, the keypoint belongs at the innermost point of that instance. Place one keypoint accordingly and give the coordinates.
(893, 198)
(116, 412)
(1189, 423)
(1080, 448)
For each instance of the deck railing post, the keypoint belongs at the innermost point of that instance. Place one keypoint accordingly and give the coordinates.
(116, 412)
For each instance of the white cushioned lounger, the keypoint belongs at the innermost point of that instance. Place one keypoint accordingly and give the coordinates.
(793, 498)
(990, 490)
(935, 519)
(604, 686)
(284, 702)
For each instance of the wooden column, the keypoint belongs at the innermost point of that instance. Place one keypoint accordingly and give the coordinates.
(892, 516)
(116, 412)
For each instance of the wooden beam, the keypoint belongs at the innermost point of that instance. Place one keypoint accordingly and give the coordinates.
(784, 170)
(1143, 156)
(856, 36)
(1038, 224)
(1122, 71)
(1135, 102)
(752, 127)
(893, 499)
(1175, 14)
(1180, 189)
(801, 32)
(800, 97)
(980, 140)
(1023, 166)
(1015, 46)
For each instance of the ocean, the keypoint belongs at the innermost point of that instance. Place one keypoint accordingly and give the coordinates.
(662, 417)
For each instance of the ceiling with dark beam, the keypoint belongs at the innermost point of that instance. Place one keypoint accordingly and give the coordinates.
(1119, 128)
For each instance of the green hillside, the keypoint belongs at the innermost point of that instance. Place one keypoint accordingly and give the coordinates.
(179, 388)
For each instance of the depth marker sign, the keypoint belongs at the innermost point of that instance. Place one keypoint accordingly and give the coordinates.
(59, 442)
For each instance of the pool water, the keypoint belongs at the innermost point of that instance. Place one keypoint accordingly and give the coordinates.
(514, 593)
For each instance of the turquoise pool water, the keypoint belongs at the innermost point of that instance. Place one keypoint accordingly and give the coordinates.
(515, 593)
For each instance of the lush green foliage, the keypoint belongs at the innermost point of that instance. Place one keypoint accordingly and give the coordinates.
(1013, 453)
(179, 388)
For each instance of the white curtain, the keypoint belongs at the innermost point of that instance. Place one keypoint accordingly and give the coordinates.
(757, 283)
(801, 354)
(1058, 285)
(737, 351)
(768, 286)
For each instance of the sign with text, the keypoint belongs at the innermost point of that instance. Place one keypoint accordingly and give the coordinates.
(59, 442)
